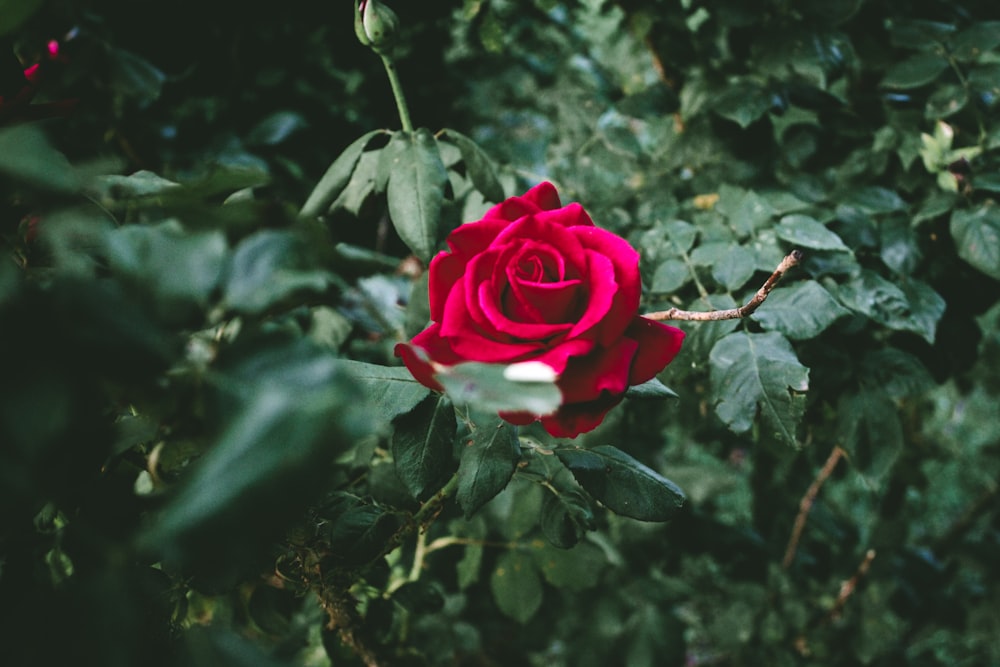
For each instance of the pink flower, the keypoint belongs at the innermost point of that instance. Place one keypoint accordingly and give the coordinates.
(18, 87)
(537, 281)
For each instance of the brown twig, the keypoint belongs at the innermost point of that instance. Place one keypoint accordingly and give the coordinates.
(792, 259)
(805, 505)
(847, 588)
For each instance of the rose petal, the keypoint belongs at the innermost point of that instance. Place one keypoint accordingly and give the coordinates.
(571, 215)
(436, 347)
(572, 420)
(604, 370)
(473, 237)
(444, 271)
(519, 418)
(473, 342)
(520, 329)
(658, 345)
(601, 290)
(626, 262)
(545, 302)
(542, 197)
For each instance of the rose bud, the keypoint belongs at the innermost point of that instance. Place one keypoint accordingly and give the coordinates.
(376, 25)
(537, 281)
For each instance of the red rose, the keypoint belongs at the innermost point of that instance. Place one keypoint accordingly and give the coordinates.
(537, 281)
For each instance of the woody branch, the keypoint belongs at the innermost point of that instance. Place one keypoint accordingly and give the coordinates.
(792, 259)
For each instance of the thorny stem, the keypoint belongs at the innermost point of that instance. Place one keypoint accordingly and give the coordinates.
(344, 619)
(340, 605)
(424, 516)
(792, 259)
(397, 93)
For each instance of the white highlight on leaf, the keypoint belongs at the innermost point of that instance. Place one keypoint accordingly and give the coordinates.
(530, 371)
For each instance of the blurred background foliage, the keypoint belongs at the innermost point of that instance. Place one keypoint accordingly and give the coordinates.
(191, 474)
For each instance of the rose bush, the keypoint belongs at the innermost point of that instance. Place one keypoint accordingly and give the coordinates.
(537, 281)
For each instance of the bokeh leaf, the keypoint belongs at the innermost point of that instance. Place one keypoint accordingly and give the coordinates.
(267, 268)
(490, 388)
(516, 585)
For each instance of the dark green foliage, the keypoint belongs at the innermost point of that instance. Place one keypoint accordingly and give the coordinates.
(209, 454)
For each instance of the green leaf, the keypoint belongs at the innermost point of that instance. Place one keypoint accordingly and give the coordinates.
(140, 184)
(357, 531)
(416, 192)
(917, 70)
(990, 182)
(935, 205)
(802, 230)
(487, 465)
(899, 245)
(976, 233)
(919, 34)
(800, 311)
(909, 306)
(975, 41)
(490, 388)
(467, 569)
(25, 154)
(622, 484)
(897, 373)
(743, 103)
(134, 76)
(391, 389)
(946, 101)
(711, 253)
(670, 276)
(516, 585)
(336, 178)
(874, 199)
(478, 166)
(870, 431)
(745, 209)
(288, 413)
(651, 389)
(267, 268)
(752, 372)
(736, 268)
(361, 184)
(390, 157)
(573, 569)
(178, 270)
(682, 234)
(566, 517)
(422, 443)
(14, 12)
(926, 308)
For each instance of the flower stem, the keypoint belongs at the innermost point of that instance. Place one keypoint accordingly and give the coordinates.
(397, 93)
